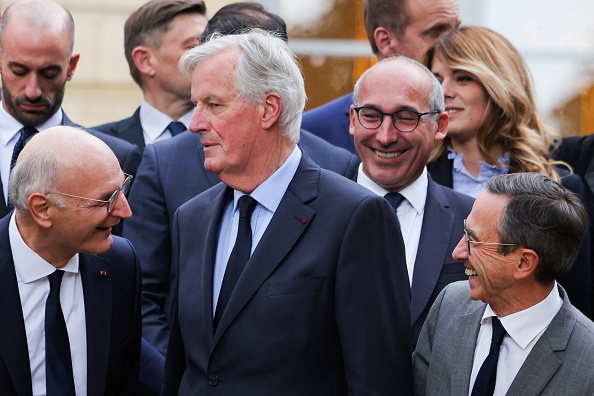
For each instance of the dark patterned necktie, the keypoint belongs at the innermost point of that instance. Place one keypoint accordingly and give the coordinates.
(58, 363)
(395, 199)
(176, 127)
(26, 134)
(239, 256)
(485, 380)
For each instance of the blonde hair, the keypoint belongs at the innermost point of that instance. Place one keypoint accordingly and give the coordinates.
(511, 118)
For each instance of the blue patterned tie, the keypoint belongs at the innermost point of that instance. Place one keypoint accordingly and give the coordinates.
(58, 363)
(176, 127)
(485, 380)
(239, 256)
(26, 134)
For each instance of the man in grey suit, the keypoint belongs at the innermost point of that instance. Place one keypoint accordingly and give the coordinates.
(395, 148)
(523, 233)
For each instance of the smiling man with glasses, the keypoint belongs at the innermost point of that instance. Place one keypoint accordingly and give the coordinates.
(398, 115)
(71, 290)
(510, 329)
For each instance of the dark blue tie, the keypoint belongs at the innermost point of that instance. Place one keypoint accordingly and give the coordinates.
(395, 199)
(239, 256)
(58, 364)
(176, 127)
(485, 380)
(26, 134)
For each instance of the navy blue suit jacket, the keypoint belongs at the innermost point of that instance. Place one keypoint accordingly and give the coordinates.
(578, 281)
(112, 314)
(442, 229)
(321, 308)
(128, 129)
(171, 173)
(128, 155)
(331, 122)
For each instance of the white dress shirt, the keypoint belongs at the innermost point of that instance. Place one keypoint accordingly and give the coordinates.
(31, 274)
(154, 123)
(268, 195)
(410, 213)
(9, 135)
(523, 329)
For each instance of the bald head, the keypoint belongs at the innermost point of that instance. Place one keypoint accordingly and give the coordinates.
(54, 156)
(38, 14)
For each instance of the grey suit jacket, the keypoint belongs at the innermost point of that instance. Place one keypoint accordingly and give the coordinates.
(561, 362)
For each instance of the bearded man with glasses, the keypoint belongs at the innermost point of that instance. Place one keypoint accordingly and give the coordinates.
(71, 320)
(398, 114)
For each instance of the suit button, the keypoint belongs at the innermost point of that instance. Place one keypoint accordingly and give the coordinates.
(213, 380)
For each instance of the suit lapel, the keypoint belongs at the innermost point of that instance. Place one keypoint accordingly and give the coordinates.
(289, 222)
(542, 359)
(130, 130)
(98, 302)
(438, 221)
(13, 339)
(463, 351)
(3, 208)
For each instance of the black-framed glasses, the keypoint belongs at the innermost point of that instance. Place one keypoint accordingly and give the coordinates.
(403, 120)
(469, 241)
(114, 197)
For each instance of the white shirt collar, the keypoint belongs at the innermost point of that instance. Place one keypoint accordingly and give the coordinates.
(154, 122)
(415, 193)
(9, 126)
(29, 265)
(525, 325)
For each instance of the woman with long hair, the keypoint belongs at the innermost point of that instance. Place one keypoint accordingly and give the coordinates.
(494, 127)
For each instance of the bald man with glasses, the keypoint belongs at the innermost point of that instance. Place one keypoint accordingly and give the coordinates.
(71, 290)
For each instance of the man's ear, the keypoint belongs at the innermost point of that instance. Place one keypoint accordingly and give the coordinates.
(39, 207)
(528, 262)
(386, 42)
(143, 60)
(353, 118)
(72, 66)
(442, 126)
(272, 107)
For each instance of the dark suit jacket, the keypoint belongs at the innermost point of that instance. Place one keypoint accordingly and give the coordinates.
(128, 155)
(560, 363)
(578, 281)
(128, 129)
(171, 173)
(331, 122)
(112, 314)
(322, 307)
(443, 226)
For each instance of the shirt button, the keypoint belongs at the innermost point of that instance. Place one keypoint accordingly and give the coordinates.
(479, 186)
(213, 380)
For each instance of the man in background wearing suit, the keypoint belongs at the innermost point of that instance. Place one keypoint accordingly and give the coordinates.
(394, 27)
(172, 172)
(71, 291)
(155, 37)
(36, 43)
(510, 329)
(301, 291)
(395, 147)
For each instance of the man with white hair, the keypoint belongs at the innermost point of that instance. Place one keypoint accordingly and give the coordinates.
(290, 279)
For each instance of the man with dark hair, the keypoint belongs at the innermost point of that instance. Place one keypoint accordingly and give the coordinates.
(289, 279)
(394, 27)
(36, 43)
(511, 329)
(70, 307)
(155, 36)
(173, 171)
(394, 150)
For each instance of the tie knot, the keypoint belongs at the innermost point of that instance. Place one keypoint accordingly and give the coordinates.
(246, 205)
(27, 132)
(176, 127)
(498, 331)
(55, 279)
(394, 199)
